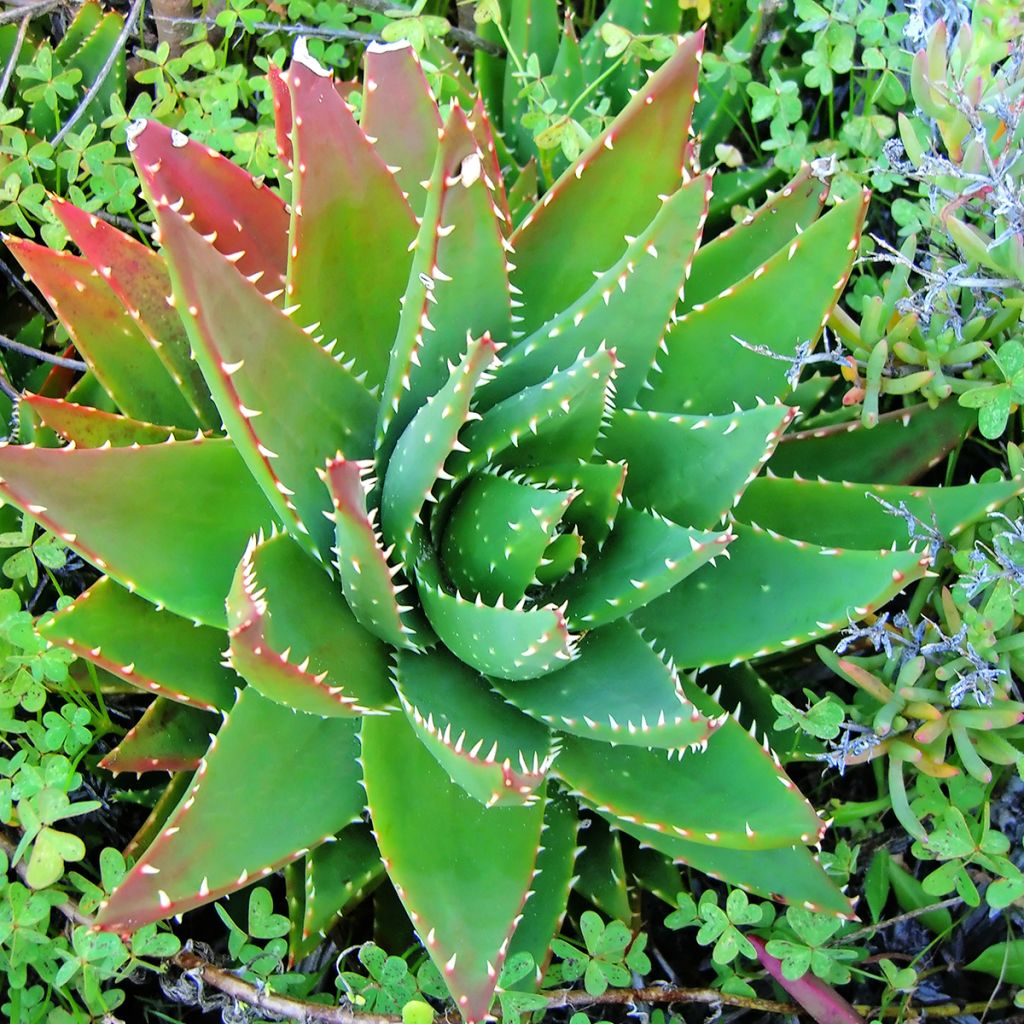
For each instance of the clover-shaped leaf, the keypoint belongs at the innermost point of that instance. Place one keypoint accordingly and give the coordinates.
(263, 922)
(50, 851)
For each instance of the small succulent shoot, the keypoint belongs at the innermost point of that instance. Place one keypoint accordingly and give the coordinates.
(432, 513)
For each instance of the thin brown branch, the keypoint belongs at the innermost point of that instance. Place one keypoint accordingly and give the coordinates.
(953, 901)
(30, 10)
(317, 1013)
(464, 38)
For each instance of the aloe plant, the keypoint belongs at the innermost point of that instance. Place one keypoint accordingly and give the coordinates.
(424, 518)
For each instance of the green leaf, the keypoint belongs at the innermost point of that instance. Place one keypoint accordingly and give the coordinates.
(666, 452)
(312, 656)
(580, 224)
(198, 493)
(820, 587)
(436, 839)
(705, 369)
(486, 746)
(212, 844)
(155, 650)
(169, 737)
(350, 225)
(1003, 960)
(287, 404)
(106, 337)
(50, 850)
(587, 698)
(847, 514)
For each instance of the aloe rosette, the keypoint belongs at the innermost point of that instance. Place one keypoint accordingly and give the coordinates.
(415, 520)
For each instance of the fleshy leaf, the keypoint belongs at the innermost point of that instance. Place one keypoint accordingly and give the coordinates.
(817, 589)
(151, 649)
(601, 873)
(741, 249)
(170, 737)
(458, 286)
(312, 655)
(842, 513)
(643, 558)
(628, 307)
(106, 337)
(904, 444)
(495, 753)
(496, 536)
(287, 404)
(419, 456)
(579, 225)
(704, 369)
(139, 279)
(511, 643)
(692, 469)
(92, 428)
(335, 876)
(213, 844)
(223, 203)
(198, 493)
(789, 874)
(350, 229)
(400, 113)
(435, 839)
(729, 792)
(549, 892)
(370, 583)
(618, 690)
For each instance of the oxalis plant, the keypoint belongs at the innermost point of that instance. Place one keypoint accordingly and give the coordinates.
(413, 517)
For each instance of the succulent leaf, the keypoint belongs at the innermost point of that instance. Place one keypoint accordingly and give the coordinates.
(706, 369)
(817, 585)
(644, 557)
(742, 248)
(549, 891)
(618, 690)
(667, 454)
(400, 113)
(152, 649)
(732, 794)
(789, 874)
(334, 876)
(579, 225)
(314, 656)
(436, 839)
(834, 513)
(93, 428)
(106, 337)
(169, 737)
(198, 492)
(369, 581)
(903, 445)
(350, 225)
(486, 746)
(224, 204)
(211, 844)
(628, 307)
(139, 279)
(496, 537)
(458, 285)
(286, 402)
